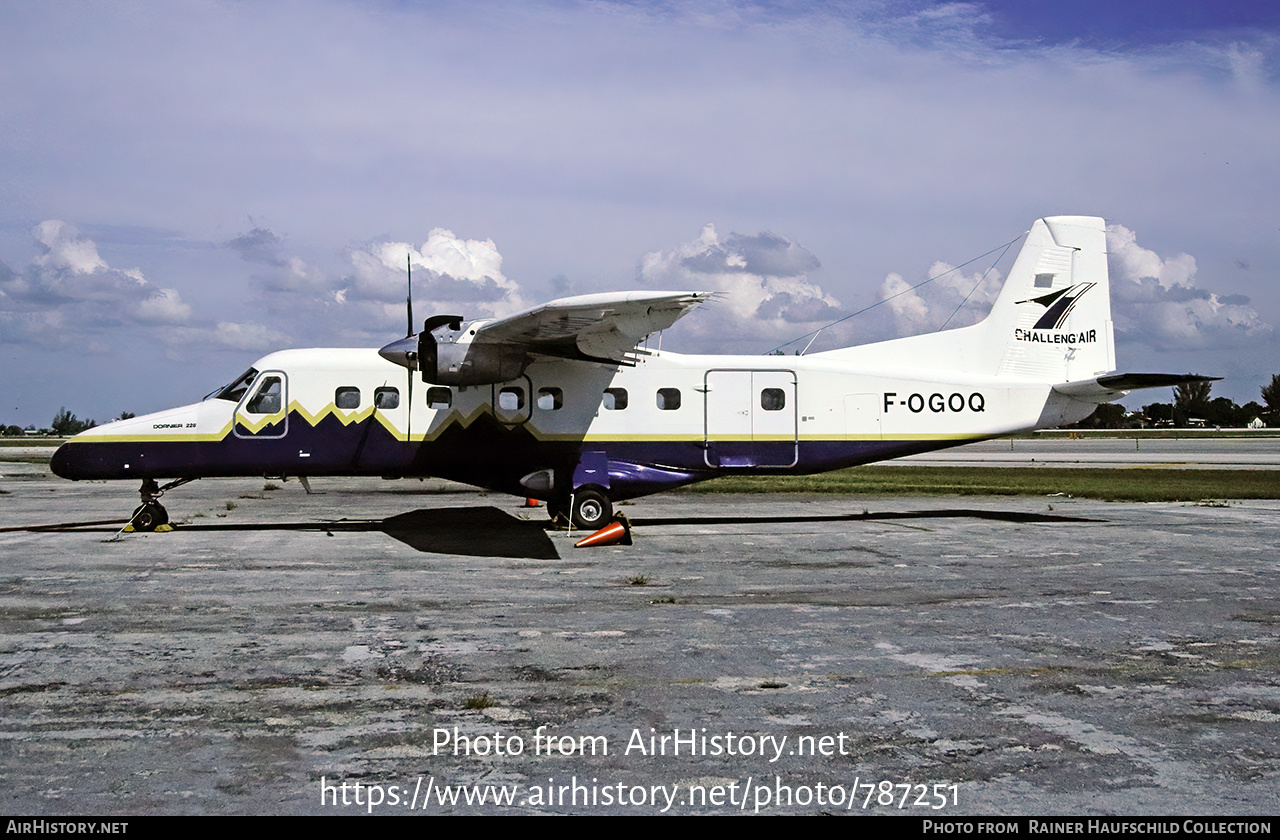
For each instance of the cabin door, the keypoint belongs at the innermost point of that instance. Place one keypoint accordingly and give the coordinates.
(750, 418)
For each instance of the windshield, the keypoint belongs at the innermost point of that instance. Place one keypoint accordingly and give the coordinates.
(235, 391)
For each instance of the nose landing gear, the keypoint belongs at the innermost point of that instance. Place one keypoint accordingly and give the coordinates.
(151, 515)
(148, 516)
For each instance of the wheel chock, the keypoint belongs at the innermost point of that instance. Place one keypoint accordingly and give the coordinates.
(617, 532)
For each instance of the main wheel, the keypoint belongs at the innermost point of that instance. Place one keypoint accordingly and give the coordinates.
(149, 516)
(591, 508)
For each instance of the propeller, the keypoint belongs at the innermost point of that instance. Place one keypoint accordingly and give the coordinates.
(408, 301)
(408, 305)
(410, 352)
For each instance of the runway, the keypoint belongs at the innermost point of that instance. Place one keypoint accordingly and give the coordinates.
(1011, 656)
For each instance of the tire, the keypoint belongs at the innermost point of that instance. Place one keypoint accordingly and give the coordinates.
(592, 509)
(148, 516)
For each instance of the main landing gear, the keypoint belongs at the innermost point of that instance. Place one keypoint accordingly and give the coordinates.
(150, 515)
(589, 507)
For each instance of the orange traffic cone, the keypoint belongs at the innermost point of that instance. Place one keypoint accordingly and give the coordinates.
(617, 532)
(530, 502)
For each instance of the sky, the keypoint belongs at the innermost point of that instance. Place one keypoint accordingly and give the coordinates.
(186, 186)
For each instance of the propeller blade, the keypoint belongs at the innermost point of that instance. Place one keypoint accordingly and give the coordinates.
(408, 301)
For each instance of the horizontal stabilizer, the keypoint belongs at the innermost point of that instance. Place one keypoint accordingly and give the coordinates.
(1107, 388)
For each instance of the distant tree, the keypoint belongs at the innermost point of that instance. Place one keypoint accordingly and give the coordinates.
(13, 431)
(1224, 413)
(66, 424)
(1250, 410)
(1158, 413)
(1190, 399)
(1105, 416)
(1110, 416)
(1192, 395)
(1271, 396)
(126, 415)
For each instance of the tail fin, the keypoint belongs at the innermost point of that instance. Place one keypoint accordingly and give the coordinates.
(1053, 316)
(1051, 322)
(1054, 313)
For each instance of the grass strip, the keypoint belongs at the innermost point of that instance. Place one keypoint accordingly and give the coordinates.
(1129, 484)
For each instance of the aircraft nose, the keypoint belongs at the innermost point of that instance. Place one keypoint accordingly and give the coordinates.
(403, 352)
(63, 463)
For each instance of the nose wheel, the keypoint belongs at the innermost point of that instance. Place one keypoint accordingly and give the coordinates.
(150, 515)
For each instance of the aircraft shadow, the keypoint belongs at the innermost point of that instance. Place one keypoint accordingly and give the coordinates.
(947, 513)
(490, 532)
(469, 531)
(478, 531)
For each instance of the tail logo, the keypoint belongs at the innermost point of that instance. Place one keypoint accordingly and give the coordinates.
(1058, 305)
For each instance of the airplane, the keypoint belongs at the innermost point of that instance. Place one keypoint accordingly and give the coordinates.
(563, 403)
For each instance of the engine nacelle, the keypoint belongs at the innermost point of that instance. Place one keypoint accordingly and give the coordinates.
(468, 364)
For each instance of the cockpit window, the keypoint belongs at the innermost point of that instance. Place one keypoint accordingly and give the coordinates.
(236, 390)
(267, 399)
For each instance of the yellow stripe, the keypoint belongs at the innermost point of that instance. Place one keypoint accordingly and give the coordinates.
(155, 438)
(259, 425)
(348, 417)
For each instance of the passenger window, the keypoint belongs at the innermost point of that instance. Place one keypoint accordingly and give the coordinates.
(267, 400)
(668, 399)
(773, 399)
(550, 399)
(615, 399)
(347, 398)
(386, 398)
(511, 399)
(438, 398)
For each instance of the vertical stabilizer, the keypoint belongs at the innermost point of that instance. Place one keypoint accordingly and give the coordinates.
(1053, 315)
(1050, 323)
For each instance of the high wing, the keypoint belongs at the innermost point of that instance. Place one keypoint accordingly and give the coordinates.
(604, 327)
(592, 328)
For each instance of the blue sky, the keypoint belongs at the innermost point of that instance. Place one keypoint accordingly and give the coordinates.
(185, 186)
(1126, 25)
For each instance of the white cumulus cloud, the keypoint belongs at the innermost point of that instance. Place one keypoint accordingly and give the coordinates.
(70, 284)
(766, 294)
(66, 249)
(249, 336)
(448, 270)
(1161, 303)
(953, 298)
